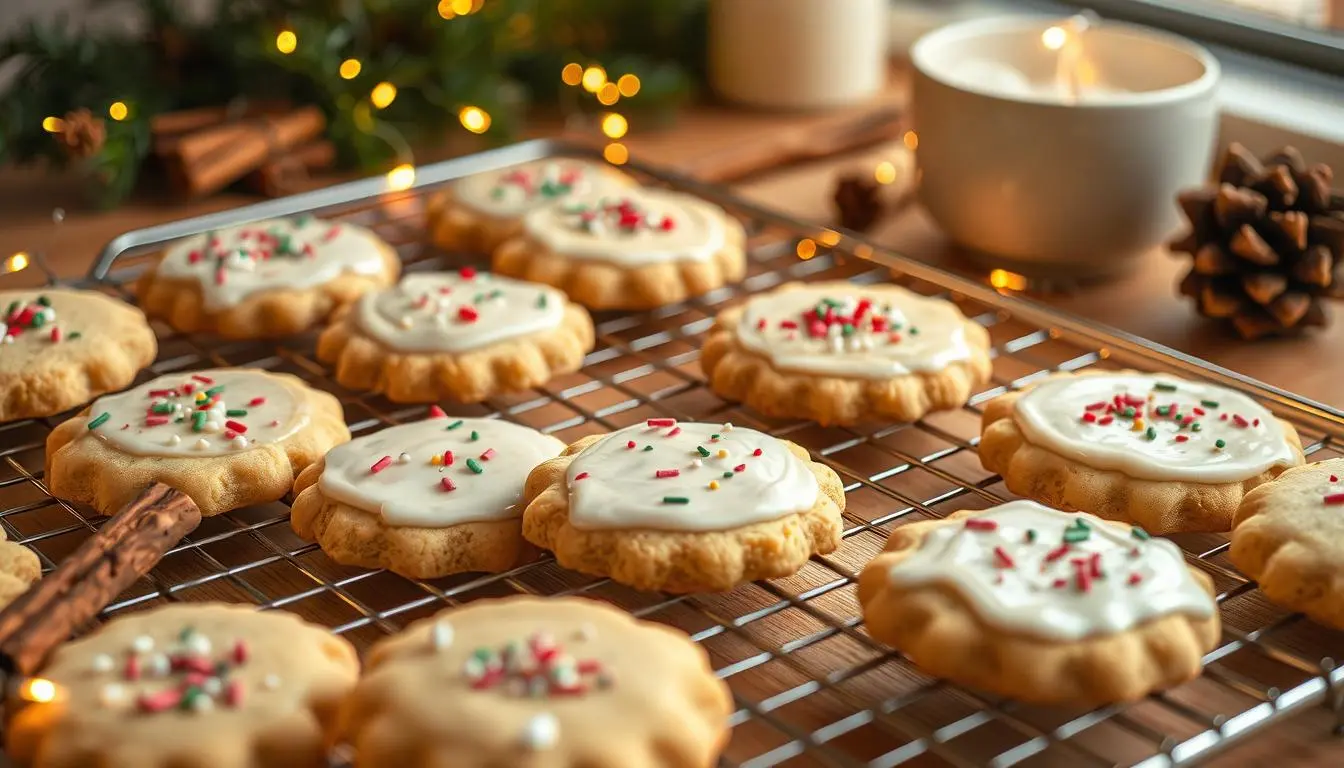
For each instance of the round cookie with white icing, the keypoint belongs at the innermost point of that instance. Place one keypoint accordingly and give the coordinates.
(1039, 605)
(61, 348)
(228, 438)
(839, 353)
(462, 336)
(640, 249)
(207, 685)
(479, 212)
(526, 681)
(684, 507)
(1151, 449)
(424, 500)
(265, 279)
(1289, 537)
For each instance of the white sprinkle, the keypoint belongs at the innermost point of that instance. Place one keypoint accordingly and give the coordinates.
(142, 644)
(202, 704)
(8, 339)
(212, 686)
(213, 427)
(404, 458)
(405, 321)
(158, 665)
(270, 682)
(239, 442)
(202, 444)
(697, 463)
(837, 343)
(440, 635)
(541, 732)
(103, 663)
(199, 643)
(172, 440)
(112, 695)
(586, 631)
(727, 426)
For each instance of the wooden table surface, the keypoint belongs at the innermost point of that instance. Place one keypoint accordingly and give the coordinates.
(1144, 303)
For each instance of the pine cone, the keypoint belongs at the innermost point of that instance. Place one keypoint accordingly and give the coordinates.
(858, 201)
(82, 135)
(1267, 243)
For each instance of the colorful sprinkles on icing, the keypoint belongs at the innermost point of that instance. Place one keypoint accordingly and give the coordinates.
(617, 216)
(30, 317)
(536, 666)
(541, 182)
(190, 674)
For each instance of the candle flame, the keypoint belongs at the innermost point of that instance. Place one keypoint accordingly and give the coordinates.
(37, 689)
(1004, 280)
(1054, 38)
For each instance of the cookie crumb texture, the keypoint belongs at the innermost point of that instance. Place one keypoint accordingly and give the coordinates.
(1289, 537)
(839, 353)
(227, 438)
(524, 681)
(640, 249)
(61, 348)
(1041, 606)
(424, 500)
(265, 279)
(1161, 452)
(684, 507)
(462, 336)
(206, 685)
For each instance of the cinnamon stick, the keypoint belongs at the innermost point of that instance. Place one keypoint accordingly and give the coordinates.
(286, 175)
(169, 128)
(210, 160)
(123, 550)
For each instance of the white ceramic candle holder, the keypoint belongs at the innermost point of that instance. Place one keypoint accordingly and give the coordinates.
(1056, 148)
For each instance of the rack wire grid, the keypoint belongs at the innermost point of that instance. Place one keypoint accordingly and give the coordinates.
(810, 686)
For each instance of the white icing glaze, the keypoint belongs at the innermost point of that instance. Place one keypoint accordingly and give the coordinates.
(633, 228)
(614, 486)
(514, 191)
(163, 424)
(412, 492)
(1054, 415)
(1019, 573)
(457, 311)
(234, 264)
(876, 331)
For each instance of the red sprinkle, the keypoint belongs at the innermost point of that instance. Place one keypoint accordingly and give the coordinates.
(155, 421)
(1198, 411)
(1060, 583)
(1255, 423)
(1135, 578)
(446, 484)
(661, 422)
(240, 652)
(381, 464)
(235, 426)
(468, 314)
(760, 324)
(254, 402)
(580, 476)
(666, 224)
(1056, 553)
(447, 458)
(467, 273)
(1097, 406)
(1334, 479)
(1004, 559)
(630, 444)
(233, 693)
(788, 325)
(1334, 498)
(1104, 420)
(664, 473)
(1090, 417)
(203, 379)
(757, 452)
(162, 392)
(1094, 565)
(980, 524)
(1240, 420)
(132, 671)
(674, 432)
(488, 455)
(740, 468)
(56, 333)
(1182, 438)
(158, 702)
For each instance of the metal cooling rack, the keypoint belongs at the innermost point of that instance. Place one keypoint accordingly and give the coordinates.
(811, 687)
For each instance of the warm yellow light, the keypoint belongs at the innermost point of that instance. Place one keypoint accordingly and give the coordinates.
(286, 42)
(885, 173)
(911, 140)
(117, 110)
(1054, 38)
(53, 124)
(474, 119)
(614, 125)
(608, 94)
(829, 237)
(807, 248)
(1004, 280)
(350, 69)
(401, 177)
(38, 689)
(616, 153)
(629, 85)
(383, 94)
(446, 9)
(593, 79)
(17, 262)
(477, 5)
(572, 74)
(461, 7)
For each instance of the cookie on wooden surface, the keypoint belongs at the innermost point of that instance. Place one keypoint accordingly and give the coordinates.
(61, 348)
(839, 353)
(525, 681)
(228, 438)
(270, 278)
(684, 507)
(1151, 449)
(463, 336)
(1042, 606)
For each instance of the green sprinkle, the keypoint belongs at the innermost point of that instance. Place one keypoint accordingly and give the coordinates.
(215, 391)
(702, 450)
(676, 500)
(185, 634)
(198, 421)
(38, 320)
(1195, 427)
(474, 436)
(914, 331)
(13, 307)
(100, 420)
(477, 298)
(73, 336)
(482, 654)
(846, 330)
(1209, 403)
(821, 312)
(1151, 433)
(1139, 533)
(541, 301)
(1220, 444)
(714, 437)
(1161, 387)
(44, 301)
(727, 475)
(1076, 535)
(498, 192)
(300, 221)
(475, 466)
(453, 426)
(648, 447)
(1128, 413)
(1031, 534)
(495, 294)
(1162, 410)
(189, 698)
(162, 408)
(236, 412)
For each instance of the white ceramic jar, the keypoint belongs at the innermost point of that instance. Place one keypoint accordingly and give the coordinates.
(797, 54)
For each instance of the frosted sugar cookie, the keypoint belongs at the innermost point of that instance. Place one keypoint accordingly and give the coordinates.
(1162, 452)
(206, 684)
(525, 681)
(838, 353)
(684, 507)
(462, 336)
(639, 249)
(227, 438)
(1040, 605)
(61, 348)
(268, 278)
(479, 212)
(1289, 536)
(19, 568)
(428, 499)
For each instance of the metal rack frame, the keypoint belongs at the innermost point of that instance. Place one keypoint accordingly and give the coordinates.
(811, 687)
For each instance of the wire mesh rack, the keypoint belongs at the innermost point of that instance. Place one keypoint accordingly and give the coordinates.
(810, 686)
